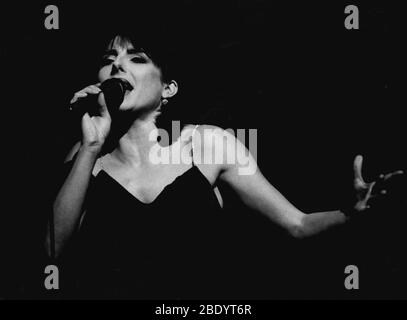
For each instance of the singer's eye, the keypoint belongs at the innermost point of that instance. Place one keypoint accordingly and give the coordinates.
(106, 61)
(138, 59)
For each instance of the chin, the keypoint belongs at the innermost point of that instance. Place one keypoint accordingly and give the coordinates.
(127, 104)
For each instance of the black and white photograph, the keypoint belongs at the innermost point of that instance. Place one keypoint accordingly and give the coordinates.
(175, 152)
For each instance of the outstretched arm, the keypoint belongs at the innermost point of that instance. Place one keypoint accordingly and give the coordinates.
(258, 194)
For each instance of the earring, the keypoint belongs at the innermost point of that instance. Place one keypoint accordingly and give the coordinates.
(164, 101)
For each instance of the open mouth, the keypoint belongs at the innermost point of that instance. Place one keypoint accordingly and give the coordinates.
(116, 87)
(127, 86)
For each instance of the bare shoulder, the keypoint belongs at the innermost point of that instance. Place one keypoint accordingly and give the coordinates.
(210, 147)
(215, 140)
(223, 149)
(209, 136)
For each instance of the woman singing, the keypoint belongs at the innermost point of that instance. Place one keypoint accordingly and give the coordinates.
(141, 228)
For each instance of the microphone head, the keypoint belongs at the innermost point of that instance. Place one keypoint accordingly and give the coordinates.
(114, 90)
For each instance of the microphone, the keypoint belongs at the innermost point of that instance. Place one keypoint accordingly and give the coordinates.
(113, 90)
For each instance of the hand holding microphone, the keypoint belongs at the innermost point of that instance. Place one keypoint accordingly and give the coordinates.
(96, 110)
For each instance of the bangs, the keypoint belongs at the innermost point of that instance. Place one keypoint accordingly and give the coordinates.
(120, 41)
(125, 42)
(162, 53)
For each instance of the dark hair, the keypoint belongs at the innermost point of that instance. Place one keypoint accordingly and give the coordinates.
(172, 55)
(166, 55)
(163, 55)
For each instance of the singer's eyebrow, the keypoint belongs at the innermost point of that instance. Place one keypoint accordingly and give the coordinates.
(135, 51)
(113, 52)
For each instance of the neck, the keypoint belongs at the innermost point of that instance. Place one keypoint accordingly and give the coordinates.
(135, 145)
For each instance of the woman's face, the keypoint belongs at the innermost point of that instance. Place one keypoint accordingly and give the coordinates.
(125, 62)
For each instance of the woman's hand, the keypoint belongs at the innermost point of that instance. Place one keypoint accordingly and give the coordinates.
(364, 190)
(96, 128)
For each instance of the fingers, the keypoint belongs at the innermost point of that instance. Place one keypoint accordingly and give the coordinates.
(383, 182)
(380, 187)
(85, 122)
(389, 175)
(77, 96)
(370, 190)
(377, 195)
(104, 112)
(382, 178)
(92, 89)
(357, 168)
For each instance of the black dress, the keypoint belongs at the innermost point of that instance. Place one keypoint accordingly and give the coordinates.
(177, 247)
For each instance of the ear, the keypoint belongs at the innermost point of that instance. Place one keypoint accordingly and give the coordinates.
(170, 89)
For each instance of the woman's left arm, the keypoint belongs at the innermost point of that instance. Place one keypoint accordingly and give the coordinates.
(257, 193)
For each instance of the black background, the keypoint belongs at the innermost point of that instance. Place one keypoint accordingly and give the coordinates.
(318, 94)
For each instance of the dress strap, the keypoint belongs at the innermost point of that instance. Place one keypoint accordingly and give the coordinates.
(192, 144)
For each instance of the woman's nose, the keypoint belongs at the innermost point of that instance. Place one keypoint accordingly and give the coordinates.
(116, 67)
